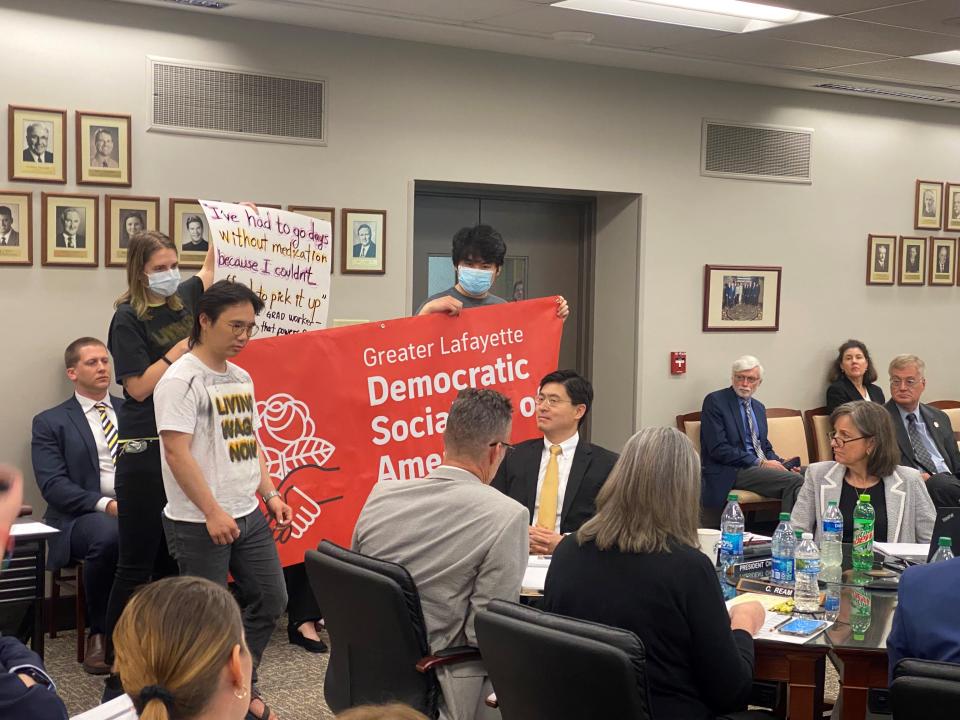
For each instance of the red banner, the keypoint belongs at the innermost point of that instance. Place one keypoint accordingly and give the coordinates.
(345, 407)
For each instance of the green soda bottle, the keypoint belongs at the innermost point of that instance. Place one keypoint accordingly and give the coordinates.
(861, 610)
(863, 521)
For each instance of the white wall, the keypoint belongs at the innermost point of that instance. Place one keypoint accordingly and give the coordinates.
(403, 111)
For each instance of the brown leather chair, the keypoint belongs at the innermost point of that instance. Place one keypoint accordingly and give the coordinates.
(818, 427)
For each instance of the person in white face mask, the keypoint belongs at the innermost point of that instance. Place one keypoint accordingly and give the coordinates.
(148, 333)
(478, 254)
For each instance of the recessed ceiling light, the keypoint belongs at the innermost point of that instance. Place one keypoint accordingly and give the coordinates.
(951, 57)
(732, 16)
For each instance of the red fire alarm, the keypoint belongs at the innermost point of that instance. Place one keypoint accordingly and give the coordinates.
(678, 363)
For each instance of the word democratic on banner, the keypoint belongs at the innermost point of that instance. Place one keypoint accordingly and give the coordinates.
(284, 257)
(344, 408)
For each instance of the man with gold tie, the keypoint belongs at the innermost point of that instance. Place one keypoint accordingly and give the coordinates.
(557, 476)
(74, 451)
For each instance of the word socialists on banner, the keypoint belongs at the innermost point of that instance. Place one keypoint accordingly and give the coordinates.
(343, 408)
(284, 257)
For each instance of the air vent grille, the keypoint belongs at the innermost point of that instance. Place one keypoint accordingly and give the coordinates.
(755, 152)
(867, 90)
(210, 100)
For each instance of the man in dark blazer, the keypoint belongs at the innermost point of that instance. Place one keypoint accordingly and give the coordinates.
(8, 236)
(71, 235)
(581, 467)
(366, 247)
(74, 449)
(924, 433)
(734, 449)
(36, 150)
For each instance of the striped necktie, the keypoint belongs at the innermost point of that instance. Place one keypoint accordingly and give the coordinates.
(754, 438)
(109, 431)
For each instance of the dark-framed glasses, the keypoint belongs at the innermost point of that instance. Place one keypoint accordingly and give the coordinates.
(841, 441)
(506, 446)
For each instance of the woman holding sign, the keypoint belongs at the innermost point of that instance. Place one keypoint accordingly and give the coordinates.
(148, 333)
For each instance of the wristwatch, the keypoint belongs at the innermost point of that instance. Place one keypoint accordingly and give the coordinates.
(39, 677)
(270, 496)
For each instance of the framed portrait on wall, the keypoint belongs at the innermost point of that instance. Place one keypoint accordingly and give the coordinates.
(320, 213)
(103, 149)
(70, 229)
(911, 261)
(951, 207)
(37, 144)
(364, 247)
(942, 261)
(741, 297)
(928, 205)
(189, 231)
(126, 216)
(16, 228)
(881, 259)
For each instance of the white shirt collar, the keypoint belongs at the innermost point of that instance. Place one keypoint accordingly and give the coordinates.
(567, 447)
(87, 404)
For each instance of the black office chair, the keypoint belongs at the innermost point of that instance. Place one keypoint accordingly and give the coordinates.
(378, 641)
(925, 690)
(549, 667)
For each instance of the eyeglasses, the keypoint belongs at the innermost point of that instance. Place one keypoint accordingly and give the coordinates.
(506, 446)
(551, 400)
(909, 382)
(746, 379)
(241, 328)
(841, 441)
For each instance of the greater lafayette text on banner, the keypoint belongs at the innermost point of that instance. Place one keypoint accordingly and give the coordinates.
(284, 257)
(346, 407)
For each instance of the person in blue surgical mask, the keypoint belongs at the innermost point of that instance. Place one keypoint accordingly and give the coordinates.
(148, 333)
(478, 254)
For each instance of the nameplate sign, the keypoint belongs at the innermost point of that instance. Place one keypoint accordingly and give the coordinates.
(761, 586)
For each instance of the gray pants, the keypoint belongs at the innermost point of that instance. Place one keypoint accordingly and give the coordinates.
(252, 560)
(771, 483)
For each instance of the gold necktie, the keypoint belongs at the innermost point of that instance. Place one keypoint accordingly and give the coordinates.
(547, 515)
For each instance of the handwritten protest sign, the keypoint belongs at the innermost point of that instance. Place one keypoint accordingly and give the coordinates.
(346, 407)
(284, 258)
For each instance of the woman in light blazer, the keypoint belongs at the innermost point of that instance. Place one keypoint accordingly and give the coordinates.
(866, 453)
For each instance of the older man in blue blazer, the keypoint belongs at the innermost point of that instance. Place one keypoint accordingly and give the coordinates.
(74, 450)
(734, 449)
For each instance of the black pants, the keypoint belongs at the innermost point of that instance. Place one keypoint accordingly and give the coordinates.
(302, 605)
(944, 490)
(142, 549)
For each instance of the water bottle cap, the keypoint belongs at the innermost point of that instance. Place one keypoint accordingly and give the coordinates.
(831, 502)
(808, 536)
(732, 497)
(865, 498)
(784, 517)
(799, 534)
(945, 542)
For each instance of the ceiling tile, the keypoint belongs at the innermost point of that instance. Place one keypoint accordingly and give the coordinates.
(926, 15)
(760, 50)
(833, 7)
(443, 10)
(920, 72)
(869, 37)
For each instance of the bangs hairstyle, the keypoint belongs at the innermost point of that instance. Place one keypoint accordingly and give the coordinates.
(872, 420)
(177, 633)
(480, 243)
(836, 370)
(652, 497)
(142, 246)
(217, 298)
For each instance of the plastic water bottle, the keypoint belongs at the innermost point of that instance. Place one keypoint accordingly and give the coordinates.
(831, 576)
(782, 548)
(731, 533)
(831, 536)
(806, 593)
(863, 520)
(944, 550)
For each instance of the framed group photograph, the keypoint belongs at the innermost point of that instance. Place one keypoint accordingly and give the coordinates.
(103, 149)
(37, 144)
(951, 210)
(912, 261)
(125, 217)
(70, 229)
(320, 213)
(881, 259)
(942, 254)
(363, 250)
(741, 297)
(16, 228)
(928, 205)
(189, 231)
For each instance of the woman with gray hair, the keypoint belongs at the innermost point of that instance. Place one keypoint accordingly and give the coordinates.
(636, 565)
(866, 456)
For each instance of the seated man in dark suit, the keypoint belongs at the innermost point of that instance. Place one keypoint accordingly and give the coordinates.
(925, 623)
(734, 448)
(924, 433)
(566, 480)
(74, 450)
(26, 691)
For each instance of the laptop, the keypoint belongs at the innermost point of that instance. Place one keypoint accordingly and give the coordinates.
(947, 525)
